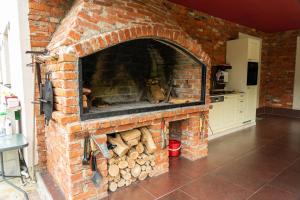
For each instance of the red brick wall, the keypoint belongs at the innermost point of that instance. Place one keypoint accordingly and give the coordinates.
(44, 16)
(278, 69)
(278, 51)
(211, 32)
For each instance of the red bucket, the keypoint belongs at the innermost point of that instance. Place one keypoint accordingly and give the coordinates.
(174, 148)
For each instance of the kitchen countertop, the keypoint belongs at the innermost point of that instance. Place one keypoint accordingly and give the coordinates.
(226, 94)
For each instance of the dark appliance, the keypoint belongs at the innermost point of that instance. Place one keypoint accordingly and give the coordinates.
(215, 99)
(252, 73)
(219, 74)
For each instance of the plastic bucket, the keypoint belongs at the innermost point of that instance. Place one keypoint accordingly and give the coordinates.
(174, 148)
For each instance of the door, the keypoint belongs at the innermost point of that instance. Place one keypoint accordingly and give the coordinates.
(215, 116)
(251, 103)
(229, 111)
(296, 101)
(253, 50)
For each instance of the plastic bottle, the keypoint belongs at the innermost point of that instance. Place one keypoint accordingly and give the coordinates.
(8, 127)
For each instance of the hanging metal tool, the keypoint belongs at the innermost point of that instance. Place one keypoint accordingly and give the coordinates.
(202, 126)
(96, 177)
(46, 99)
(37, 78)
(86, 151)
(163, 135)
(102, 147)
(46, 90)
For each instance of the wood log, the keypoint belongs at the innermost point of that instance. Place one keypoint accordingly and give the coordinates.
(143, 176)
(131, 134)
(110, 178)
(152, 163)
(148, 169)
(133, 154)
(113, 186)
(126, 176)
(111, 153)
(86, 91)
(123, 172)
(121, 183)
(121, 148)
(152, 157)
(123, 164)
(117, 178)
(143, 168)
(112, 161)
(157, 92)
(140, 161)
(133, 142)
(128, 182)
(152, 173)
(136, 171)
(179, 100)
(131, 163)
(113, 170)
(148, 140)
(139, 148)
(147, 162)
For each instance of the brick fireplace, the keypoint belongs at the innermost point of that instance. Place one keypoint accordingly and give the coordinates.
(113, 49)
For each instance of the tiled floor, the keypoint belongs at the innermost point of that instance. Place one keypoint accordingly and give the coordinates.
(259, 163)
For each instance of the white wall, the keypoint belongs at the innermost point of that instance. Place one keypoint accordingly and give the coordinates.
(15, 13)
(296, 102)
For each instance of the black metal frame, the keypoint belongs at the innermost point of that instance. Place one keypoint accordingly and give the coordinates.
(87, 116)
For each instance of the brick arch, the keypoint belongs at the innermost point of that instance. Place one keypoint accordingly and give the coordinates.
(175, 38)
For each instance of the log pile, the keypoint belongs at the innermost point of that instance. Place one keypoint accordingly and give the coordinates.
(132, 159)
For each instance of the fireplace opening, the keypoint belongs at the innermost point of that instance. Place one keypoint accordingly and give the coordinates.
(139, 76)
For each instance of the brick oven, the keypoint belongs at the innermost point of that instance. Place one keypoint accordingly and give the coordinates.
(116, 66)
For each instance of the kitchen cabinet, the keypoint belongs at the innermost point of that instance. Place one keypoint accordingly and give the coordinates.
(229, 110)
(251, 93)
(253, 50)
(234, 113)
(215, 116)
(225, 115)
(241, 109)
(238, 53)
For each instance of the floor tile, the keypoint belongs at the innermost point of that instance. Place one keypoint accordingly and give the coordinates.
(177, 195)
(133, 192)
(215, 188)
(273, 193)
(191, 169)
(289, 180)
(165, 183)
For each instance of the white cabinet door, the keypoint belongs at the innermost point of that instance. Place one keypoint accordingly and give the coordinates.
(229, 111)
(241, 109)
(251, 103)
(253, 50)
(215, 116)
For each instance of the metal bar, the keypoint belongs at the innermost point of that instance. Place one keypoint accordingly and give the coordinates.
(37, 52)
(86, 116)
(7, 181)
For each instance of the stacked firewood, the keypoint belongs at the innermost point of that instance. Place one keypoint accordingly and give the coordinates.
(132, 158)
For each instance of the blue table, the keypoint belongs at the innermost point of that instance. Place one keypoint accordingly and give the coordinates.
(7, 143)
